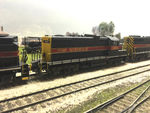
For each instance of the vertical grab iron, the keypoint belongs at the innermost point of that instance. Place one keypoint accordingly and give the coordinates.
(24, 66)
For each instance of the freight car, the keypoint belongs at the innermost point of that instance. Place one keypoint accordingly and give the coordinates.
(61, 54)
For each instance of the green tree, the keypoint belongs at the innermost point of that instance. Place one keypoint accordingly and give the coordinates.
(111, 28)
(104, 29)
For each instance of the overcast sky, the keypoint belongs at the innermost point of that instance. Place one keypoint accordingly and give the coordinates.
(40, 17)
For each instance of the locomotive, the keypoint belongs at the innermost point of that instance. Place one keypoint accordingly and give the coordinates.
(9, 58)
(69, 53)
(137, 47)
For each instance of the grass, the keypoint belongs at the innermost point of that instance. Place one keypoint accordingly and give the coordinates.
(101, 97)
(29, 56)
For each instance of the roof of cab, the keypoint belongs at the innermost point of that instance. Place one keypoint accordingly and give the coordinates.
(113, 38)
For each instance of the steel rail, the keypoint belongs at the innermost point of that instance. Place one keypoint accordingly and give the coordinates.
(102, 106)
(134, 107)
(137, 99)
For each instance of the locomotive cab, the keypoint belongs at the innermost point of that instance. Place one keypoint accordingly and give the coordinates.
(114, 46)
(46, 49)
(113, 41)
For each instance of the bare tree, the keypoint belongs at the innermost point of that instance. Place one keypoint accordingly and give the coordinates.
(68, 33)
(95, 30)
(72, 34)
(118, 35)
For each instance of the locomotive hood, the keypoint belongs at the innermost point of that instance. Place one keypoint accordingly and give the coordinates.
(3, 34)
(8, 39)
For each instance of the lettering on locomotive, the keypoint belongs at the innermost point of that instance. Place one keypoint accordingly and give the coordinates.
(46, 41)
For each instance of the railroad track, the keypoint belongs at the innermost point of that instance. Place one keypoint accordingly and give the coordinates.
(33, 99)
(127, 102)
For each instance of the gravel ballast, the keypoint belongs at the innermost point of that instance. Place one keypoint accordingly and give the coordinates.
(77, 98)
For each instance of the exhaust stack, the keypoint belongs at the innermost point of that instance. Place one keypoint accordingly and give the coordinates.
(1, 28)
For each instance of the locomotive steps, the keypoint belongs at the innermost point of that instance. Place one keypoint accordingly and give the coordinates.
(32, 100)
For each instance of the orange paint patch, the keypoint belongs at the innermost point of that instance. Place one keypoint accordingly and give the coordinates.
(84, 49)
(7, 54)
